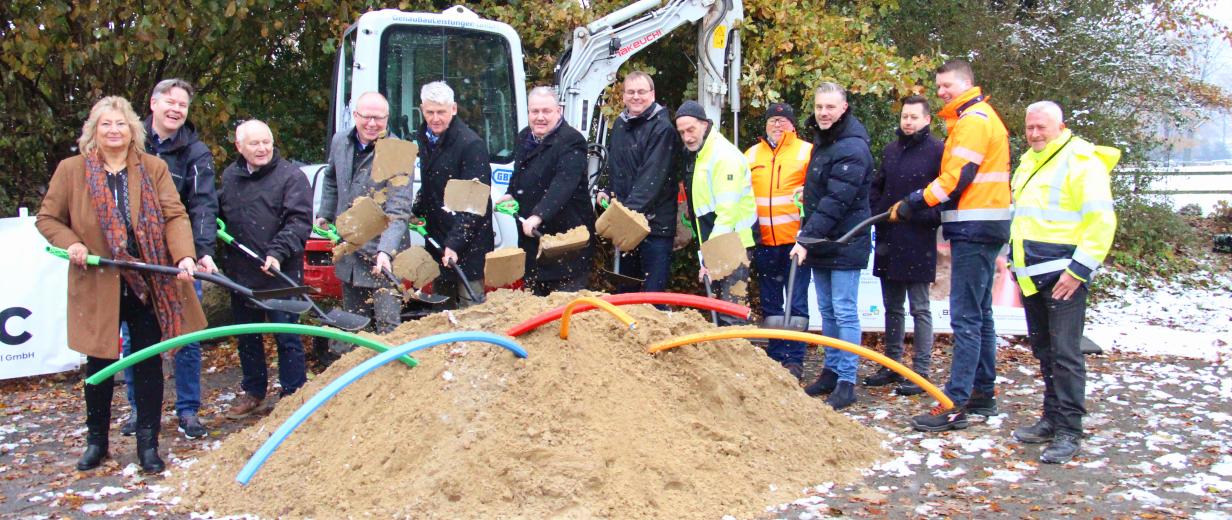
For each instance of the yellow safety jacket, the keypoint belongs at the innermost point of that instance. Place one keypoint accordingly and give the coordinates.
(722, 190)
(1063, 212)
(777, 172)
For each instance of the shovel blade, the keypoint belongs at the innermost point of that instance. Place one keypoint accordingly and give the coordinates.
(273, 294)
(430, 299)
(621, 282)
(796, 323)
(347, 321)
(810, 241)
(291, 306)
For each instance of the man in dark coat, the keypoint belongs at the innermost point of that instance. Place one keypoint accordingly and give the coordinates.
(448, 149)
(905, 257)
(642, 156)
(835, 201)
(267, 206)
(549, 183)
(173, 139)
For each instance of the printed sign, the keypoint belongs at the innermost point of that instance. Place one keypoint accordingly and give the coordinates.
(33, 314)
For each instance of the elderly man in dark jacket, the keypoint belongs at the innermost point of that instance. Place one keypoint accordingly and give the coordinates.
(835, 201)
(267, 205)
(448, 149)
(348, 176)
(549, 183)
(642, 159)
(905, 257)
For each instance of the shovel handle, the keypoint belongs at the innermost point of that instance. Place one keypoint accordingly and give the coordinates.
(791, 283)
(330, 233)
(509, 207)
(230, 240)
(63, 253)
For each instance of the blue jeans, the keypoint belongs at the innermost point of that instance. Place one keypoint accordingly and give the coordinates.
(974, 366)
(652, 260)
(771, 263)
(292, 368)
(187, 372)
(840, 318)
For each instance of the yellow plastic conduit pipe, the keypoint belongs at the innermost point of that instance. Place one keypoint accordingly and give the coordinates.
(815, 339)
(611, 309)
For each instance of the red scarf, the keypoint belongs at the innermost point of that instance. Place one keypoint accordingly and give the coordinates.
(150, 243)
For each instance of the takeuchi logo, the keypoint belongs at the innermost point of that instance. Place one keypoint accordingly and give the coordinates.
(640, 42)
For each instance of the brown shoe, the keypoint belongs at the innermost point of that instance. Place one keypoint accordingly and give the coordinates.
(244, 405)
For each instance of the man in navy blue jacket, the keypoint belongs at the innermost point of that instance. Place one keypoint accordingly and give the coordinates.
(905, 258)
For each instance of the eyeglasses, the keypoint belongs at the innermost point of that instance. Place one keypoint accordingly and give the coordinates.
(778, 121)
(642, 92)
(369, 117)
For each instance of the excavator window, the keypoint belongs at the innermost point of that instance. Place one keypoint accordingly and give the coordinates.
(476, 64)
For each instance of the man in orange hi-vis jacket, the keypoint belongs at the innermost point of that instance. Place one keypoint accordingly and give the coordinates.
(973, 191)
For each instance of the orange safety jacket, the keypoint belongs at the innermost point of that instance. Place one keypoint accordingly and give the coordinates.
(777, 172)
(973, 188)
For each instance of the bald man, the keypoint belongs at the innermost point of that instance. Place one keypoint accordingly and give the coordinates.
(267, 206)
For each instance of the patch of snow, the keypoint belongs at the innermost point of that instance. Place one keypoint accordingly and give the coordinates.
(1172, 460)
(1008, 476)
(1142, 495)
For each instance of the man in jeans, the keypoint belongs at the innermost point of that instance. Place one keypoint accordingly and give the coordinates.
(973, 193)
(172, 138)
(267, 205)
(905, 258)
(1062, 229)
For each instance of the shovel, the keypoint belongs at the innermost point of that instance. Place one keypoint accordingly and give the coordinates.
(787, 321)
(619, 281)
(419, 225)
(336, 318)
(809, 241)
(511, 207)
(331, 234)
(264, 299)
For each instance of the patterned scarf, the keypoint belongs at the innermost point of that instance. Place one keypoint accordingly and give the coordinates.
(150, 242)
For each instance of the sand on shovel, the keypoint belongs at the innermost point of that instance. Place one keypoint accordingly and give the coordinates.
(417, 266)
(589, 427)
(559, 244)
(503, 266)
(624, 227)
(724, 254)
(363, 221)
(470, 196)
(393, 157)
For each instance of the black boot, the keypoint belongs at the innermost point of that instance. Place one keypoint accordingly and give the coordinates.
(824, 384)
(884, 376)
(147, 451)
(844, 395)
(96, 451)
(1062, 449)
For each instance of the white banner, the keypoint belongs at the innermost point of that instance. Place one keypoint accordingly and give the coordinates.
(33, 311)
(1006, 306)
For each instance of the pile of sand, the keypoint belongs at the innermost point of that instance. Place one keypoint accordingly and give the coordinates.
(589, 427)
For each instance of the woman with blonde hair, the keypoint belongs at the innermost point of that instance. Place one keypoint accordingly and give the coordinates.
(114, 200)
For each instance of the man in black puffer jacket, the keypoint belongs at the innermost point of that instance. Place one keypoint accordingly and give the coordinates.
(835, 201)
(448, 149)
(643, 159)
(267, 206)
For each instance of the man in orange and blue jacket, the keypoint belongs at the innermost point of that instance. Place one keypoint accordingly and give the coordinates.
(973, 192)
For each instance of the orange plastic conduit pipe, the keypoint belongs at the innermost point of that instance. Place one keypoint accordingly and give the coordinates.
(815, 339)
(594, 302)
(665, 298)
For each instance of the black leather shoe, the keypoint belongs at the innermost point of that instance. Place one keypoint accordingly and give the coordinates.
(824, 384)
(191, 426)
(981, 404)
(1061, 450)
(94, 455)
(1040, 432)
(844, 395)
(908, 389)
(884, 376)
(147, 451)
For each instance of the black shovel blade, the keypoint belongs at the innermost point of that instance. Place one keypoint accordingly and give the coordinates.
(271, 294)
(810, 241)
(291, 306)
(622, 282)
(430, 299)
(796, 323)
(347, 321)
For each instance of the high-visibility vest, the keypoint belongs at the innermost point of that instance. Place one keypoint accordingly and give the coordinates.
(722, 190)
(973, 186)
(1063, 212)
(777, 173)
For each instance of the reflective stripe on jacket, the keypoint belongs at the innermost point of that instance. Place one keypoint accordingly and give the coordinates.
(1063, 212)
(722, 190)
(777, 172)
(973, 187)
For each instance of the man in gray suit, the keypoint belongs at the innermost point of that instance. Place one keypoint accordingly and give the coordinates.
(348, 176)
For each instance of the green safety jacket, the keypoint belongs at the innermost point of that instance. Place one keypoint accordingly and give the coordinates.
(1063, 212)
(721, 191)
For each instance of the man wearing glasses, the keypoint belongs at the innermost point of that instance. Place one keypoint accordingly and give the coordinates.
(348, 176)
(641, 158)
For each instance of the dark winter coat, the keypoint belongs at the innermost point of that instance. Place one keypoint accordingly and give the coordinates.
(836, 193)
(907, 251)
(642, 159)
(192, 170)
(458, 154)
(549, 180)
(270, 212)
